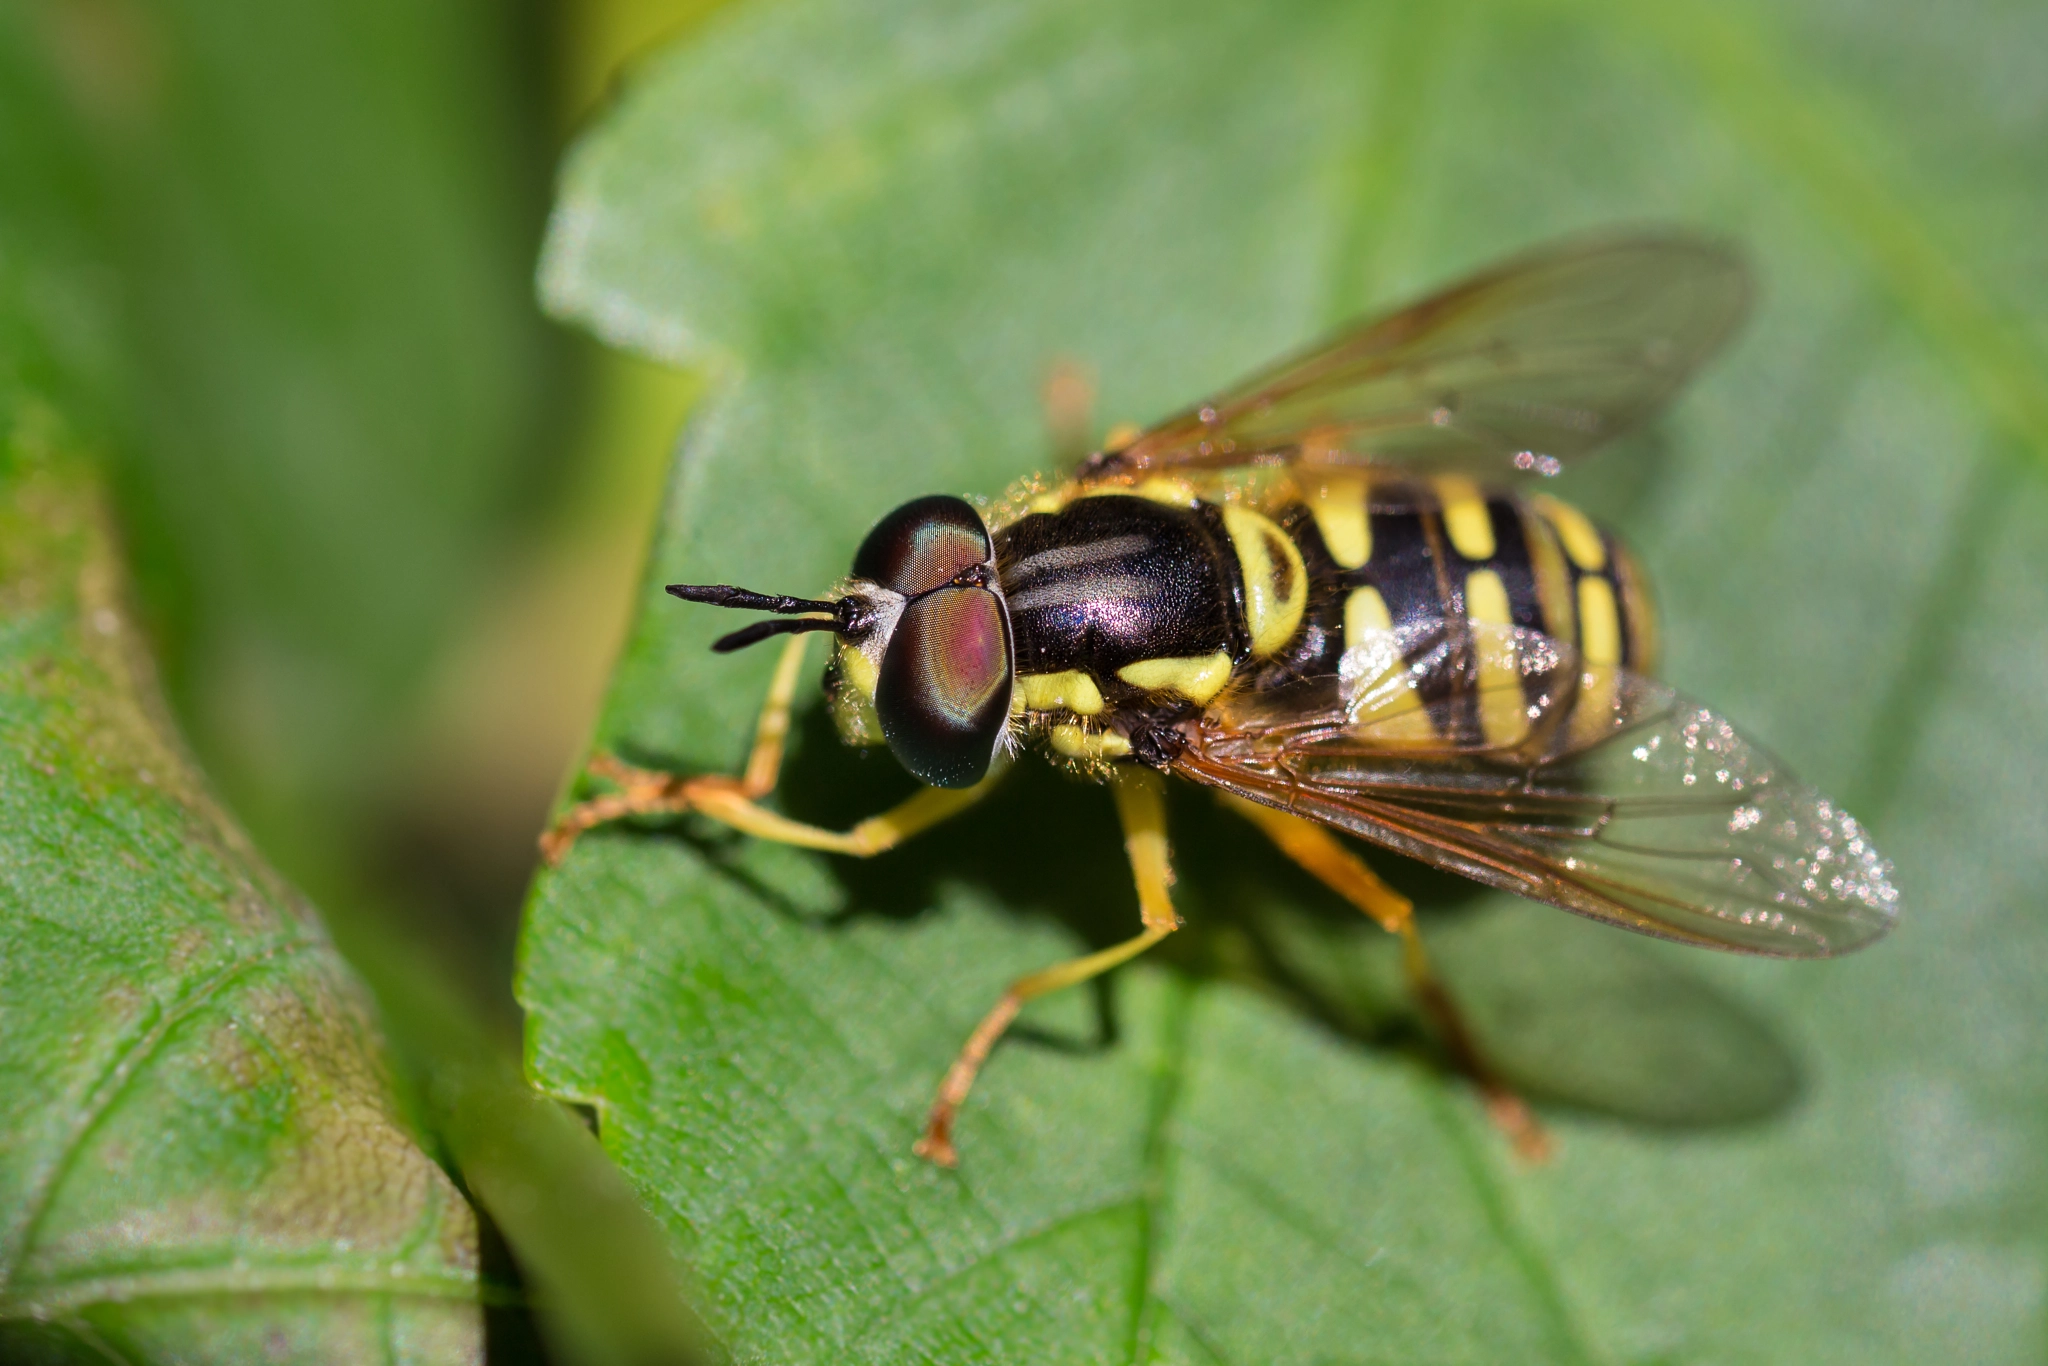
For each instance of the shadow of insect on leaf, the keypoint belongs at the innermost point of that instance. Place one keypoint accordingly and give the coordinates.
(1570, 1013)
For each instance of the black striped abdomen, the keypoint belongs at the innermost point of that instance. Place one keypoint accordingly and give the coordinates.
(1429, 580)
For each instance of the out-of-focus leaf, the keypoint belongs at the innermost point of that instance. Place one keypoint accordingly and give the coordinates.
(598, 1276)
(882, 226)
(321, 219)
(200, 1153)
(201, 1158)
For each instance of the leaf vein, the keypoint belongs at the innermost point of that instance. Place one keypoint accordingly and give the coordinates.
(1544, 1286)
(1023, 1238)
(56, 1298)
(124, 1065)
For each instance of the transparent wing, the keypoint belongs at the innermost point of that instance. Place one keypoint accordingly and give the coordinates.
(1612, 796)
(1522, 368)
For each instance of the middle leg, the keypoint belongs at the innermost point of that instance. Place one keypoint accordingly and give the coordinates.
(1141, 808)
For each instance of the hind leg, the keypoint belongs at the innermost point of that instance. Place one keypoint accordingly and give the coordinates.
(1344, 873)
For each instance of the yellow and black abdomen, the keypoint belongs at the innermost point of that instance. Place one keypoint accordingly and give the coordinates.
(1441, 571)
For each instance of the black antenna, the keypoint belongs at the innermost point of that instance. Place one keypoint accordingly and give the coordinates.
(847, 614)
(761, 630)
(725, 595)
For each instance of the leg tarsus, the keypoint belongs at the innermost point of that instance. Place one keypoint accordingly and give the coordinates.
(1509, 1112)
(723, 799)
(648, 792)
(642, 792)
(936, 1144)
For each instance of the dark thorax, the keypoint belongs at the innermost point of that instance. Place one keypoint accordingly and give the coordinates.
(1113, 580)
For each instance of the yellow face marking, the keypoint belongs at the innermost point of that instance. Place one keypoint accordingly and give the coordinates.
(1466, 520)
(1599, 622)
(1379, 691)
(1047, 502)
(1078, 742)
(1072, 691)
(1581, 540)
(859, 671)
(1275, 581)
(1197, 678)
(1503, 713)
(853, 697)
(1338, 505)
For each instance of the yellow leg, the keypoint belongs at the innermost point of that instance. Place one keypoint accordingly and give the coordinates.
(771, 732)
(1344, 873)
(735, 801)
(1141, 807)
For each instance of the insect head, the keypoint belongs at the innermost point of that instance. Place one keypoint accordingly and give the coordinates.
(925, 636)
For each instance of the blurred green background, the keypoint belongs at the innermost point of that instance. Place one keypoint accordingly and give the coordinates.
(383, 517)
(273, 265)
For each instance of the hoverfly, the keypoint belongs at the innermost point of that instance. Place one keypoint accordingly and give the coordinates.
(1329, 594)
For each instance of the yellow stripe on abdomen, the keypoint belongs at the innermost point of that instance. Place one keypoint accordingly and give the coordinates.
(1379, 689)
(1466, 520)
(1581, 538)
(1599, 622)
(1503, 713)
(1338, 505)
(1599, 660)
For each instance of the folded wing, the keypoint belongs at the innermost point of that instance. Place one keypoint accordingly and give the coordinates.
(1521, 369)
(1618, 799)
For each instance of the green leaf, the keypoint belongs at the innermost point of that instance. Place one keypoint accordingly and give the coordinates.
(202, 1158)
(881, 228)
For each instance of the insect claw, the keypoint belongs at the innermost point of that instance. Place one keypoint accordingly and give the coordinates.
(1513, 1117)
(641, 792)
(936, 1146)
(609, 766)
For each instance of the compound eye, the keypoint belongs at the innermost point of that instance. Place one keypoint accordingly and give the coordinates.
(943, 695)
(923, 544)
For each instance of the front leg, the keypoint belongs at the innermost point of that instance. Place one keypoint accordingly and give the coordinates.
(736, 801)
